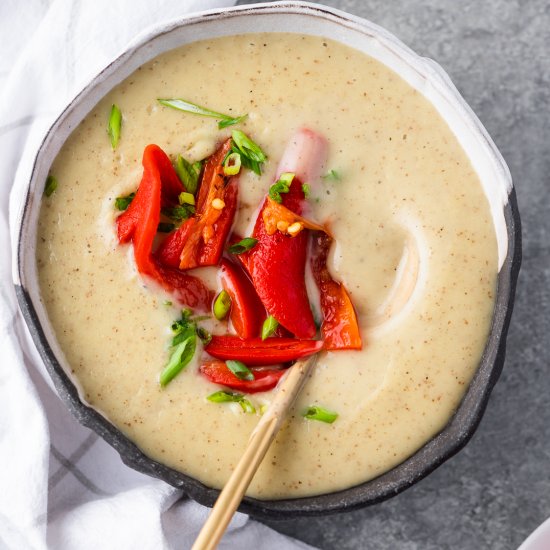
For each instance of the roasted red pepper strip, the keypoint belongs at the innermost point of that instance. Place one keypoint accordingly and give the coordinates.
(159, 185)
(277, 269)
(212, 250)
(247, 312)
(199, 241)
(257, 352)
(340, 329)
(264, 379)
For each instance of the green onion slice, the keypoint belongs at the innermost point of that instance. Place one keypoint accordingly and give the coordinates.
(230, 397)
(188, 173)
(122, 203)
(184, 344)
(179, 213)
(252, 155)
(314, 412)
(282, 185)
(180, 358)
(247, 406)
(204, 335)
(269, 327)
(240, 370)
(50, 186)
(186, 198)
(193, 108)
(115, 123)
(222, 305)
(306, 190)
(243, 245)
(230, 121)
(232, 164)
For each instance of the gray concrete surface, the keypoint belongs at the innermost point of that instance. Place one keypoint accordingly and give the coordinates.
(497, 490)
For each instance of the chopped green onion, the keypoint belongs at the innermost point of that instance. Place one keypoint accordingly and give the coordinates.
(180, 358)
(115, 122)
(186, 198)
(240, 370)
(263, 408)
(251, 154)
(193, 108)
(204, 335)
(165, 227)
(222, 305)
(332, 175)
(230, 397)
(224, 397)
(247, 406)
(122, 203)
(314, 412)
(282, 185)
(232, 164)
(269, 327)
(243, 245)
(179, 213)
(184, 344)
(230, 121)
(50, 186)
(167, 303)
(306, 190)
(188, 173)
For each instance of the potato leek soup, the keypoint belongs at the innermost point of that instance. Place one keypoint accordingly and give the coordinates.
(216, 216)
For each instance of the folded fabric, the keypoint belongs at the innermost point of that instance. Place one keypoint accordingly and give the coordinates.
(62, 486)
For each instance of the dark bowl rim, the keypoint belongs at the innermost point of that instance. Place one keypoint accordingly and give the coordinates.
(440, 448)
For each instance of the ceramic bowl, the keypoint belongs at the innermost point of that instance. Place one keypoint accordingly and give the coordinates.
(424, 75)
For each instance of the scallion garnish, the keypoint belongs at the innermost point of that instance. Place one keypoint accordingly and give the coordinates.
(204, 335)
(332, 175)
(122, 203)
(179, 213)
(230, 121)
(180, 358)
(306, 190)
(269, 327)
(193, 108)
(231, 397)
(167, 303)
(243, 245)
(50, 185)
(115, 123)
(252, 155)
(188, 173)
(314, 412)
(222, 305)
(282, 185)
(165, 227)
(186, 198)
(183, 346)
(232, 164)
(240, 370)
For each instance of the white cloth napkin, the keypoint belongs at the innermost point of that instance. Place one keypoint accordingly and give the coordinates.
(62, 487)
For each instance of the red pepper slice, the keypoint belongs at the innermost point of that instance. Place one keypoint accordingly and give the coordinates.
(340, 328)
(277, 268)
(257, 352)
(264, 379)
(199, 241)
(247, 312)
(159, 185)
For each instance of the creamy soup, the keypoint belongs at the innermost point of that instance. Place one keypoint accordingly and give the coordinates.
(415, 247)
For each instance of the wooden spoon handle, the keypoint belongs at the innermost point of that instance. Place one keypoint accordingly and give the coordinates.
(257, 446)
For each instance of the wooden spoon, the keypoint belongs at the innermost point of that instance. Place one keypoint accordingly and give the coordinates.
(257, 446)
